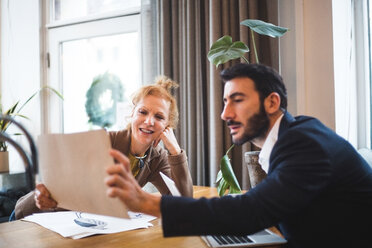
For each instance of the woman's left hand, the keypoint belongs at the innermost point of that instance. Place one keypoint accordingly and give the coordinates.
(169, 141)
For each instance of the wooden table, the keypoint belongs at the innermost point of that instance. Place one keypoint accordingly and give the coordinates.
(26, 234)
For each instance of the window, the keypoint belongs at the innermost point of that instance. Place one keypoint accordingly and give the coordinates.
(369, 3)
(83, 48)
(71, 9)
(352, 68)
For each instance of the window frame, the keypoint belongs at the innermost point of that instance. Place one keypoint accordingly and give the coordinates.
(56, 34)
(363, 72)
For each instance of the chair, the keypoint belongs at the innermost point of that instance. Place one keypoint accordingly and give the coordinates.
(31, 166)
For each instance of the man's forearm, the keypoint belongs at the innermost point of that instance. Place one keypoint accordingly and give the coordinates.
(151, 205)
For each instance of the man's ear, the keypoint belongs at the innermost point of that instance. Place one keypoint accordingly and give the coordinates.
(272, 103)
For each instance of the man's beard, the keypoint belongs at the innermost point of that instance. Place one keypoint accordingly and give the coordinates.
(256, 127)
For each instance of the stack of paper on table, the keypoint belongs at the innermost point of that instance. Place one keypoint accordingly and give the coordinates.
(78, 225)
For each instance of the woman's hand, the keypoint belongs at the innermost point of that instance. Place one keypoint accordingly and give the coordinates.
(124, 186)
(169, 141)
(43, 198)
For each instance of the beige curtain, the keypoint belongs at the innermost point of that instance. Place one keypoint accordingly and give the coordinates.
(185, 30)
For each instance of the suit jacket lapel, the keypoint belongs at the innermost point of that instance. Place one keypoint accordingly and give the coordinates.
(285, 123)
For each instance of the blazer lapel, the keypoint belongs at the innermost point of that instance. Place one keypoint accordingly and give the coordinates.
(285, 123)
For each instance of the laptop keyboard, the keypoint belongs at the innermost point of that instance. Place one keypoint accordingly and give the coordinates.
(230, 240)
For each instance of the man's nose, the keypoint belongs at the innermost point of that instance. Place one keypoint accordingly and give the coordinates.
(227, 112)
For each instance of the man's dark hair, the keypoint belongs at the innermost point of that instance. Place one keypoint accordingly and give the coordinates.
(266, 80)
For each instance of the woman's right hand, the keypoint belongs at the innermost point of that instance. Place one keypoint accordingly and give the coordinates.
(43, 198)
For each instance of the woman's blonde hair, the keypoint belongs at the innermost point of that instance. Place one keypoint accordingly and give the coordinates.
(161, 88)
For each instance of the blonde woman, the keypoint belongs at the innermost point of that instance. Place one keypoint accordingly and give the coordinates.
(153, 118)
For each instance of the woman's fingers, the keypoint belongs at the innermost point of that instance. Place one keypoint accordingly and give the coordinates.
(42, 190)
(45, 203)
(43, 198)
(170, 141)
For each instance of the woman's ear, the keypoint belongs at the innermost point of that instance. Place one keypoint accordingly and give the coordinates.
(272, 103)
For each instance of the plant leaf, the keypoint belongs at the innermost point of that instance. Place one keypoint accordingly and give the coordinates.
(264, 28)
(54, 90)
(222, 186)
(228, 173)
(224, 50)
(20, 115)
(234, 191)
(219, 176)
(12, 109)
(33, 95)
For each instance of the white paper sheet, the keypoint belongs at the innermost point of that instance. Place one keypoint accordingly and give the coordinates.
(76, 225)
(72, 166)
(170, 184)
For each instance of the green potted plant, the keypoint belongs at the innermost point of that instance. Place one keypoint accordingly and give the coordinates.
(222, 51)
(14, 111)
(226, 178)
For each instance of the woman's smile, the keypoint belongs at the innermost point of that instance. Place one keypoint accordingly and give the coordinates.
(146, 131)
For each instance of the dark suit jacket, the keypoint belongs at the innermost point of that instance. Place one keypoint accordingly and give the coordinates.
(318, 191)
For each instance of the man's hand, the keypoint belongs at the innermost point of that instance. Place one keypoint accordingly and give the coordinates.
(43, 198)
(123, 185)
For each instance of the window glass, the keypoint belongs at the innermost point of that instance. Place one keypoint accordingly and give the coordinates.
(69, 9)
(370, 64)
(106, 51)
(109, 58)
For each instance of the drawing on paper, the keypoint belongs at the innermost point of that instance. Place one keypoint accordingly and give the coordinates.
(88, 222)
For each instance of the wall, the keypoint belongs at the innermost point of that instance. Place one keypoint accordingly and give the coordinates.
(20, 75)
(307, 58)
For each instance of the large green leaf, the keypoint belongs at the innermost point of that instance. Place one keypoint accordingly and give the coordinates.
(219, 176)
(224, 50)
(228, 173)
(264, 28)
(222, 187)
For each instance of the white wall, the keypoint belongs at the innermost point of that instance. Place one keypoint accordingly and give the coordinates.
(20, 75)
(307, 58)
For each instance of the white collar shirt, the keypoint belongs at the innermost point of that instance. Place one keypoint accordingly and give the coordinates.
(267, 145)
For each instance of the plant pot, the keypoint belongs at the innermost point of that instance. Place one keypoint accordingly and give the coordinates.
(4, 162)
(256, 173)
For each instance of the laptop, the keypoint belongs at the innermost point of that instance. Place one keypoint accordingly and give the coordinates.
(261, 238)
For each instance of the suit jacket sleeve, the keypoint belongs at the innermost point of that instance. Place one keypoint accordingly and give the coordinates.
(299, 169)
